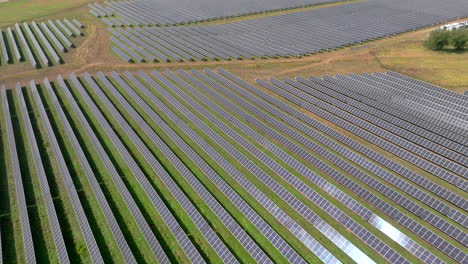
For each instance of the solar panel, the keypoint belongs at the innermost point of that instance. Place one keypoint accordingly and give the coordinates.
(275, 113)
(215, 242)
(60, 34)
(43, 182)
(287, 251)
(64, 28)
(13, 44)
(77, 23)
(53, 38)
(59, 160)
(76, 31)
(182, 238)
(36, 45)
(15, 172)
(46, 43)
(3, 50)
(123, 190)
(92, 180)
(25, 46)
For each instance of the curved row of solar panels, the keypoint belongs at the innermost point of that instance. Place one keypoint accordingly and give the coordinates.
(39, 44)
(165, 12)
(289, 35)
(202, 166)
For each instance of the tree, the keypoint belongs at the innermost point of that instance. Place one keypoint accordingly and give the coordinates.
(438, 39)
(459, 38)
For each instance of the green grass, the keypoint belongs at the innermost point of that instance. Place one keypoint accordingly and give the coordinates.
(14, 11)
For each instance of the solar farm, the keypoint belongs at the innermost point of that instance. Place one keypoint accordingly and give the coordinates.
(232, 132)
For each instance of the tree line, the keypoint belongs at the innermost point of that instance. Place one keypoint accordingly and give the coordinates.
(440, 39)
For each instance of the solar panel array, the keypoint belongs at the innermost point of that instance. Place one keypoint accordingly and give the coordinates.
(15, 170)
(299, 170)
(38, 45)
(288, 35)
(144, 12)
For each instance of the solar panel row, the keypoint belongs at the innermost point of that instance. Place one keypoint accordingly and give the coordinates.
(43, 182)
(44, 40)
(307, 157)
(273, 184)
(293, 34)
(267, 148)
(251, 133)
(369, 91)
(92, 180)
(434, 220)
(170, 12)
(116, 178)
(15, 171)
(281, 216)
(405, 100)
(401, 147)
(213, 239)
(184, 171)
(3, 50)
(340, 241)
(37, 43)
(171, 222)
(411, 140)
(91, 244)
(261, 225)
(425, 183)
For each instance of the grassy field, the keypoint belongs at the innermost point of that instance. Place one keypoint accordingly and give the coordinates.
(15, 11)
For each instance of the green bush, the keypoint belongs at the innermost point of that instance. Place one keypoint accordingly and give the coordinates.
(439, 39)
(459, 38)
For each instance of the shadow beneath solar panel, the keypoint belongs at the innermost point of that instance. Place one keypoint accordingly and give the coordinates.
(6, 224)
(39, 241)
(62, 213)
(107, 193)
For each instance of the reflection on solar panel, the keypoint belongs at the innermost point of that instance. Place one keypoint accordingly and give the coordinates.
(15, 171)
(215, 168)
(289, 35)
